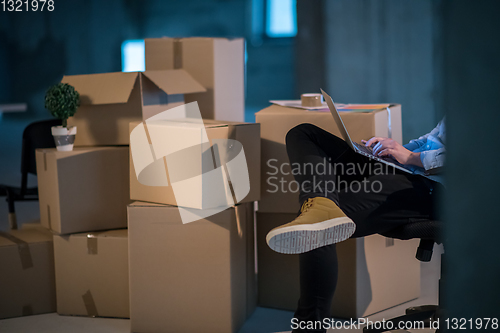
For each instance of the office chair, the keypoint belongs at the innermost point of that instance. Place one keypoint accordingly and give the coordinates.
(36, 135)
(429, 232)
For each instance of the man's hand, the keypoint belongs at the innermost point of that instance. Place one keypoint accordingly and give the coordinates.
(388, 147)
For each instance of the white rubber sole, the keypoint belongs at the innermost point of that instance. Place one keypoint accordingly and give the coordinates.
(306, 237)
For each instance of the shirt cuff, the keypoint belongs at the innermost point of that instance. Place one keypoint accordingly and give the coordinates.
(411, 146)
(430, 159)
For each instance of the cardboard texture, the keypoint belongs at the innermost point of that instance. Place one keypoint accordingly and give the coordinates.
(195, 277)
(27, 284)
(92, 274)
(110, 101)
(375, 273)
(217, 63)
(276, 121)
(248, 134)
(86, 189)
(38, 226)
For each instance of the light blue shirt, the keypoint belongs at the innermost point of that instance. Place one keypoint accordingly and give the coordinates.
(432, 151)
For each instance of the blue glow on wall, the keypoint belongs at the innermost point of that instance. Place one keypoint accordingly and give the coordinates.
(133, 59)
(281, 18)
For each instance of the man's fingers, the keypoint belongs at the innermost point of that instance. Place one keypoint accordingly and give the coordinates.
(385, 152)
(377, 147)
(373, 140)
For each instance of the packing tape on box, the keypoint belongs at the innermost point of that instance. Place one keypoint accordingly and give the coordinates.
(231, 132)
(92, 244)
(216, 169)
(48, 217)
(177, 53)
(23, 249)
(217, 164)
(389, 123)
(237, 212)
(89, 303)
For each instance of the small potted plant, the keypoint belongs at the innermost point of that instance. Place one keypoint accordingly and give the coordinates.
(62, 101)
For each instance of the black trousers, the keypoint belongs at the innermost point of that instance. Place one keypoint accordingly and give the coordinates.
(375, 196)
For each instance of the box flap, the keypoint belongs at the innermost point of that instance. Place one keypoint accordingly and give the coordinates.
(149, 204)
(54, 153)
(174, 81)
(117, 233)
(31, 235)
(194, 123)
(221, 123)
(106, 88)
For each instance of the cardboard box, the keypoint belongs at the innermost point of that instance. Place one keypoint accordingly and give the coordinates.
(217, 63)
(38, 226)
(110, 101)
(375, 273)
(92, 274)
(86, 189)
(195, 277)
(276, 121)
(196, 191)
(27, 284)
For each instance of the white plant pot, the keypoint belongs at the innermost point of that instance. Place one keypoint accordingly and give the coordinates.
(64, 137)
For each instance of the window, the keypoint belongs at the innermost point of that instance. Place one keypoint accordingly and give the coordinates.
(281, 18)
(133, 59)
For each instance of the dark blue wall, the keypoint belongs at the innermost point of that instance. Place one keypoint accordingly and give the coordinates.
(371, 51)
(82, 36)
(387, 51)
(472, 86)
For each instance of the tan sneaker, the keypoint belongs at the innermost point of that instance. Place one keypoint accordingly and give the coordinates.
(320, 223)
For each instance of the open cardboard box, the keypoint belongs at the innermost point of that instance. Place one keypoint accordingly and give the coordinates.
(110, 101)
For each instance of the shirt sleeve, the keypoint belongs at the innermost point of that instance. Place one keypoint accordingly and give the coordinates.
(421, 141)
(414, 144)
(433, 158)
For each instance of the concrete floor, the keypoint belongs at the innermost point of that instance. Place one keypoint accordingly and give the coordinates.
(263, 320)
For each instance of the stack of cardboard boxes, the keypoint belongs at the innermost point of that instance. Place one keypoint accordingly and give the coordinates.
(197, 276)
(122, 248)
(83, 194)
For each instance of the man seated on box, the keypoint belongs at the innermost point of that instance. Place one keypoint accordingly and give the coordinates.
(345, 194)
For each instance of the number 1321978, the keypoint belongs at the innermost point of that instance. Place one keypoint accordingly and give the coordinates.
(27, 5)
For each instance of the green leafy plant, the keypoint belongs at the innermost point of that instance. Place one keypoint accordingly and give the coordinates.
(62, 101)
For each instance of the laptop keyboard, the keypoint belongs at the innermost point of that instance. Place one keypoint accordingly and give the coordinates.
(363, 148)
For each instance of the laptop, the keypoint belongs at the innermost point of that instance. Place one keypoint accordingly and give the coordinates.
(357, 147)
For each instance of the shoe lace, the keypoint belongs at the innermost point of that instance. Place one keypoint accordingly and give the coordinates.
(306, 205)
